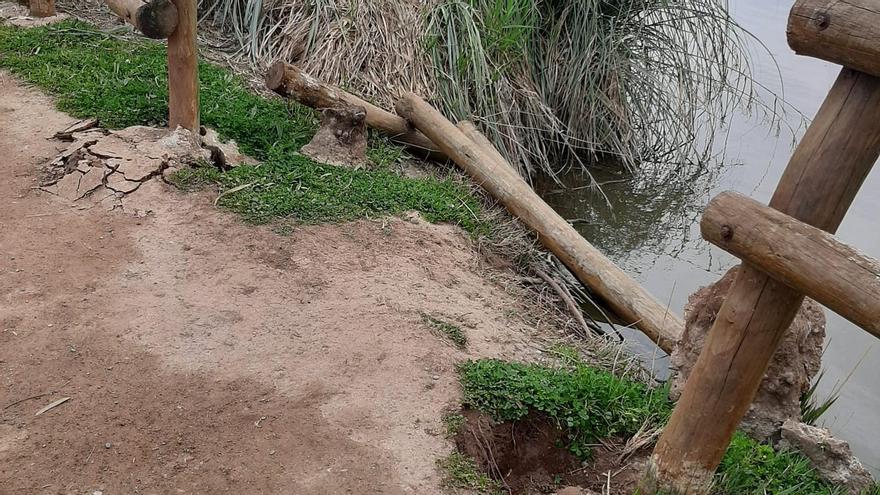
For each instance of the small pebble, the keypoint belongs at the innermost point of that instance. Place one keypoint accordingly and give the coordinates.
(108, 445)
(435, 377)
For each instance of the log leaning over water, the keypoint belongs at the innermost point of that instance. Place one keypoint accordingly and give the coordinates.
(801, 256)
(822, 178)
(155, 19)
(290, 82)
(846, 32)
(626, 297)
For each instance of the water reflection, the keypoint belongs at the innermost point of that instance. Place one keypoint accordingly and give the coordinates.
(651, 227)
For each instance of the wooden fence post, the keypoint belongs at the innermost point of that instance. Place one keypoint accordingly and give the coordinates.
(183, 69)
(42, 8)
(820, 182)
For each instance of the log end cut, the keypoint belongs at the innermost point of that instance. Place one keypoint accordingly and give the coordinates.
(157, 19)
(275, 78)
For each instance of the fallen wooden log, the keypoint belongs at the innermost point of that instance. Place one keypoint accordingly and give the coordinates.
(626, 297)
(846, 33)
(290, 82)
(155, 19)
(803, 257)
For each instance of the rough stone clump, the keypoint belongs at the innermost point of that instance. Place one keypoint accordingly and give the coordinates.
(103, 167)
(341, 139)
(790, 372)
(831, 457)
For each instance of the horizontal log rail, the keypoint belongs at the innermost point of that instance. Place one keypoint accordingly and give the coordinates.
(846, 32)
(625, 296)
(290, 81)
(155, 19)
(802, 257)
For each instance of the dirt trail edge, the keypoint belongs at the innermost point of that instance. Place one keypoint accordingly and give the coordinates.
(203, 355)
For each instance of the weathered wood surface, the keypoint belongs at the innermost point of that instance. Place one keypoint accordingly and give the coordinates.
(183, 69)
(820, 182)
(289, 81)
(846, 32)
(42, 8)
(626, 297)
(807, 259)
(155, 19)
(470, 130)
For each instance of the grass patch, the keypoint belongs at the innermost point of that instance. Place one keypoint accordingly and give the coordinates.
(752, 468)
(122, 82)
(448, 331)
(460, 471)
(587, 403)
(453, 422)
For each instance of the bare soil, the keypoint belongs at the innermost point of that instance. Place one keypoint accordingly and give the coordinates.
(529, 456)
(204, 355)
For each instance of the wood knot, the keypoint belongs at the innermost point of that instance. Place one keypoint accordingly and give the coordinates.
(726, 233)
(822, 20)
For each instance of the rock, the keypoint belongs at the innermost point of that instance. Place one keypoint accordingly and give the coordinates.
(117, 182)
(67, 187)
(140, 168)
(224, 155)
(832, 458)
(341, 139)
(791, 370)
(90, 181)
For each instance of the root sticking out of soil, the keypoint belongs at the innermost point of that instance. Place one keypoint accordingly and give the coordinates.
(529, 456)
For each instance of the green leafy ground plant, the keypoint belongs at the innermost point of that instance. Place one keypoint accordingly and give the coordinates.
(122, 82)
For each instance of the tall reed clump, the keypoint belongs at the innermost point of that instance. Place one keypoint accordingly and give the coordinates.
(560, 83)
(555, 83)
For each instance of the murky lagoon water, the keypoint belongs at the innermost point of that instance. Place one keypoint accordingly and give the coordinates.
(653, 233)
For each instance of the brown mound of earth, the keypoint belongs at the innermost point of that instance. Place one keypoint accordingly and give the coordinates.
(529, 456)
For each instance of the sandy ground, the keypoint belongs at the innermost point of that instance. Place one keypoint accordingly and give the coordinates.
(203, 355)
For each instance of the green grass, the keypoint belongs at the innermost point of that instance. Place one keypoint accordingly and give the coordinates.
(448, 331)
(460, 471)
(590, 404)
(453, 422)
(122, 82)
(752, 468)
(587, 403)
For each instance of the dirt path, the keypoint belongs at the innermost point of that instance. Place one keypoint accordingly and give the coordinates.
(202, 355)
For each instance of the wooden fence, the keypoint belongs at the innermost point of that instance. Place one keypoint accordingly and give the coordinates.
(160, 19)
(787, 248)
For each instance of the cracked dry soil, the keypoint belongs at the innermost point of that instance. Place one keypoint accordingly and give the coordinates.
(203, 355)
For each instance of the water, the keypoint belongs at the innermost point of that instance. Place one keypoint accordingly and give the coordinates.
(652, 233)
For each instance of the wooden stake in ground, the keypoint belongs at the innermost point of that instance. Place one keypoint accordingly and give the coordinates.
(42, 8)
(183, 69)
(820, 182)
(156, 19)
(626, 297)
(289, 81)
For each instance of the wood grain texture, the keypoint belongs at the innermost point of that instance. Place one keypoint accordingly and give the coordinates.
(291, 82)
(626, 297)
(846, 32)
(803, 257)
(818, 186)
(183, 69)
(42, 8)
(156, 19)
